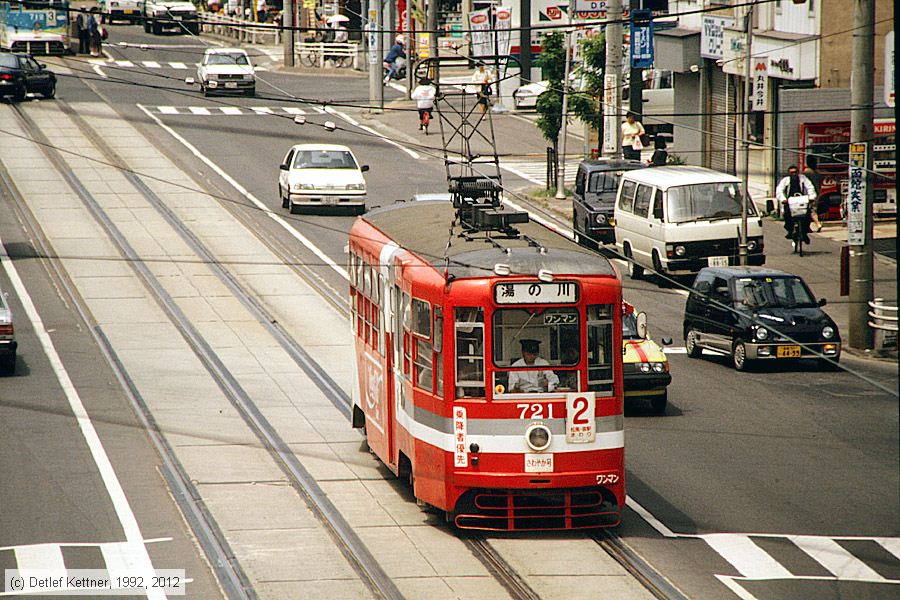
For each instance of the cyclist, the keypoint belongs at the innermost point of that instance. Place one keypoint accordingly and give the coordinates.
(795, 184)
(423, 94)
(396, 52)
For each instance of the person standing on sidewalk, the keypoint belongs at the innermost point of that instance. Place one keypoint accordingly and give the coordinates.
(794, 184)
(84, 33)
(660, 154)
(632, 132)
(94, 33)
(482, 79)
(816, 179)
(262, 11)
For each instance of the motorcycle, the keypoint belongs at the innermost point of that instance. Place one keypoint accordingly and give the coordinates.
(399, 75)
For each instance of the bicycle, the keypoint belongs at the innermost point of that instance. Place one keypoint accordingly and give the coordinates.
(424, 119)
(799, 207)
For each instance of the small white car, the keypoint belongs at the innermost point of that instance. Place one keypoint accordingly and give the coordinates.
(318, 176)
(226, 71)
(123, 10)
(527, 95)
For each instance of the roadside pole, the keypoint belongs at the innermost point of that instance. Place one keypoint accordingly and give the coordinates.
(745, 130)
(287, 36)
(524, 42)
(375, 44)
(563, 131)
(862, 287)
(431, 25)
(612, 81)
(636, 79)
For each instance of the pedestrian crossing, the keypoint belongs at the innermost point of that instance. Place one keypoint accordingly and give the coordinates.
(233, 111)
(150, 64)
(535, 171)
(770, 557)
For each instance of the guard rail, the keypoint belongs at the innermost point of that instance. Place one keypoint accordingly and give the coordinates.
(884, 324)
(242, 30)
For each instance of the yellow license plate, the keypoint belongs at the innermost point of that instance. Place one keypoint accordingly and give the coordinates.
(788, 352)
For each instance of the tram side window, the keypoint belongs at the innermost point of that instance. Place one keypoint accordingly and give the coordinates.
(438, 350)
(600, 348)
(423, 372)
(469, 327)
(407, 338)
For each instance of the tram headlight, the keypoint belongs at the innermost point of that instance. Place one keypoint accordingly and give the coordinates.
(828, 332)
(538, 437)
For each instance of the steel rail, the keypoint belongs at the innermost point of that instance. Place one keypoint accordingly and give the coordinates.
(637, 567)
(342, 533)
(501, 570)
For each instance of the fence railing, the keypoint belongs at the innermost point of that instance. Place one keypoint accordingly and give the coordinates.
(884, 323)
(320, 54)
(239, 29)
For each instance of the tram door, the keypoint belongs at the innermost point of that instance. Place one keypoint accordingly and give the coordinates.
(390, 322)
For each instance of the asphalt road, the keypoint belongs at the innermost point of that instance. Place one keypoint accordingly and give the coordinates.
(745, 478)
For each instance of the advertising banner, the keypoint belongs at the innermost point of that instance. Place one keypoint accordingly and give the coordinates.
(856, 195)
(479, 29)
(759, 93)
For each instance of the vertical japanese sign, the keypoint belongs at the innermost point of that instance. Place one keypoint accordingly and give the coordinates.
(641, 34)
(856, 195)
(889, 73)
(460, 454)
(610, 114)
(372, 38)
(712, 36)
(424, 45)
(479, 30)
(503, 29)
(759, 97)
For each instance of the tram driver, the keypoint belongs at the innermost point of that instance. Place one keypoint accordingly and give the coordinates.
(535, 380)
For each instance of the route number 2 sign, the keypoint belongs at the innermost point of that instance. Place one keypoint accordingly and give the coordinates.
(581, 426)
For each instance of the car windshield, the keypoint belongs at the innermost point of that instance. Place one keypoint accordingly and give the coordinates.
(769, 292)
(221, 58)
(603, 182)
(324, 159)
(701, 201)
(629, 327)
(8, 60)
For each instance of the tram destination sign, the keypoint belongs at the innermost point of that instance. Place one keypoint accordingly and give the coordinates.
(557, 292)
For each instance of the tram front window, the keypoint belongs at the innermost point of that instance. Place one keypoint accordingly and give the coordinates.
(536, 350)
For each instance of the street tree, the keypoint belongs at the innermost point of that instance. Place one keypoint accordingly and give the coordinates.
(549, 104)
(586, 103)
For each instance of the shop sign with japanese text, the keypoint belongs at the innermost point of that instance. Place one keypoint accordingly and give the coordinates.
(856, 195)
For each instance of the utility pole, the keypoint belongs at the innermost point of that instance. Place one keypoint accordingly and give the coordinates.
(745, 130)
(287, 36)
(636, 80)
(862, 287)
(431, 25)
(612, 80)
(563, 131)
(375, 43)
(524, 42)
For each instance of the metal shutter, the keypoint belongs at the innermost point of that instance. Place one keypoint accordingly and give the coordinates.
(721, 143)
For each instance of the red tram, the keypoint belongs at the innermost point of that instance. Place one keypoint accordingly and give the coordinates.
(490, 368)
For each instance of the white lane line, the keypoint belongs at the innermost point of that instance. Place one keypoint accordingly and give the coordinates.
(231, 110)
(243, 191)
(199, 110)
(124, 63)
(104, 466)
(168, 110)
(261, 110)
(835, 558)
(675, 350)
(178, 65)
(745, 556)
(39, 557)
(99, 71)
(892, 545)
(292, 110)
(151, 64)
(368, 129)
(651, 520)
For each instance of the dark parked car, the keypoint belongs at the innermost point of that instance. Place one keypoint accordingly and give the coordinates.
(7, 337)
(596, 184)
(20, 74)
(774, 316)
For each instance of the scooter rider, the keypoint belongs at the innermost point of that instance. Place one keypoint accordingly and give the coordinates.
(390, 61)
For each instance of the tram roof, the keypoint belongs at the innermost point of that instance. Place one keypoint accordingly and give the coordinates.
(423, 227)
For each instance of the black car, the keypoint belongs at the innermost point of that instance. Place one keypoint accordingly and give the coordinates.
(756, 314)
(20, 74)
(596, 184)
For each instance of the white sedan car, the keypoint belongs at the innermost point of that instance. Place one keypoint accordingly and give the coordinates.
(319, 176)
(226, 71)
(526, 96)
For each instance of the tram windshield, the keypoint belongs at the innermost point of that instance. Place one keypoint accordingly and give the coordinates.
(538, 349)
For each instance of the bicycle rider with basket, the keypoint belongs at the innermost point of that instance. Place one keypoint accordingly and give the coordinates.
(795, 185)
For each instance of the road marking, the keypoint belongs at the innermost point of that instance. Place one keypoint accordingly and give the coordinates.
(651, 520)
(835, 558)
(178, 65)
(246, 193)
(293, 110)
(675, 350)
(151, 64)
(261, 110)
(47, 557)
(231, 110)
(368, 129)
(749, 559)
(168, 110)
(104, 466)
(124, 63)
(199, 110)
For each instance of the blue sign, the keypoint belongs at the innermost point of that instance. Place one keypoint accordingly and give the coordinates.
(641, 39)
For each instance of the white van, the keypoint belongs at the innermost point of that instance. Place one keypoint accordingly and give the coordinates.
(677, 220)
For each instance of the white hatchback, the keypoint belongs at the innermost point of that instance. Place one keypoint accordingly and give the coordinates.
(226, 71)
(321, 176)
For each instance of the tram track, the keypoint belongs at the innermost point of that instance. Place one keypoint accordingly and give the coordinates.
(347, 541)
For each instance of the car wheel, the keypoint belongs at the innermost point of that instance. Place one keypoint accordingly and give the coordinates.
(20, 93)
(360, 210)
(9, 365)
(205, 90)
(635, 271)
(291, 207)
(284, 201)
(690, 344)
(157, 29)
(659, 403)
(146, 26)
(830, 364)
(50, 91)
(739, 356)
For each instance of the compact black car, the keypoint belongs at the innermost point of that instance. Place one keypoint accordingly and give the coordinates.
(20, 74)
(596, 184)
(756, 314)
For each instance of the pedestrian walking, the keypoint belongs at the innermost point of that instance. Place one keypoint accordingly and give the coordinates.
(482, 79)
(660, 154)
(262, 10)
(815, 178)
(632, 132)
(94, 33)
(795, 184)
(84, 32)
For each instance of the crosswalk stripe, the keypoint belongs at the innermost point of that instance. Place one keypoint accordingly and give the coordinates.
(535, 171)
(178, 65)
(151, 64)
(168, 110)
(124, 63)
(261, 110)
(40, 557)
(744, 555)
(292, 110)
(231, 110)
(835, 558)
(199, 110)
(892, 545)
